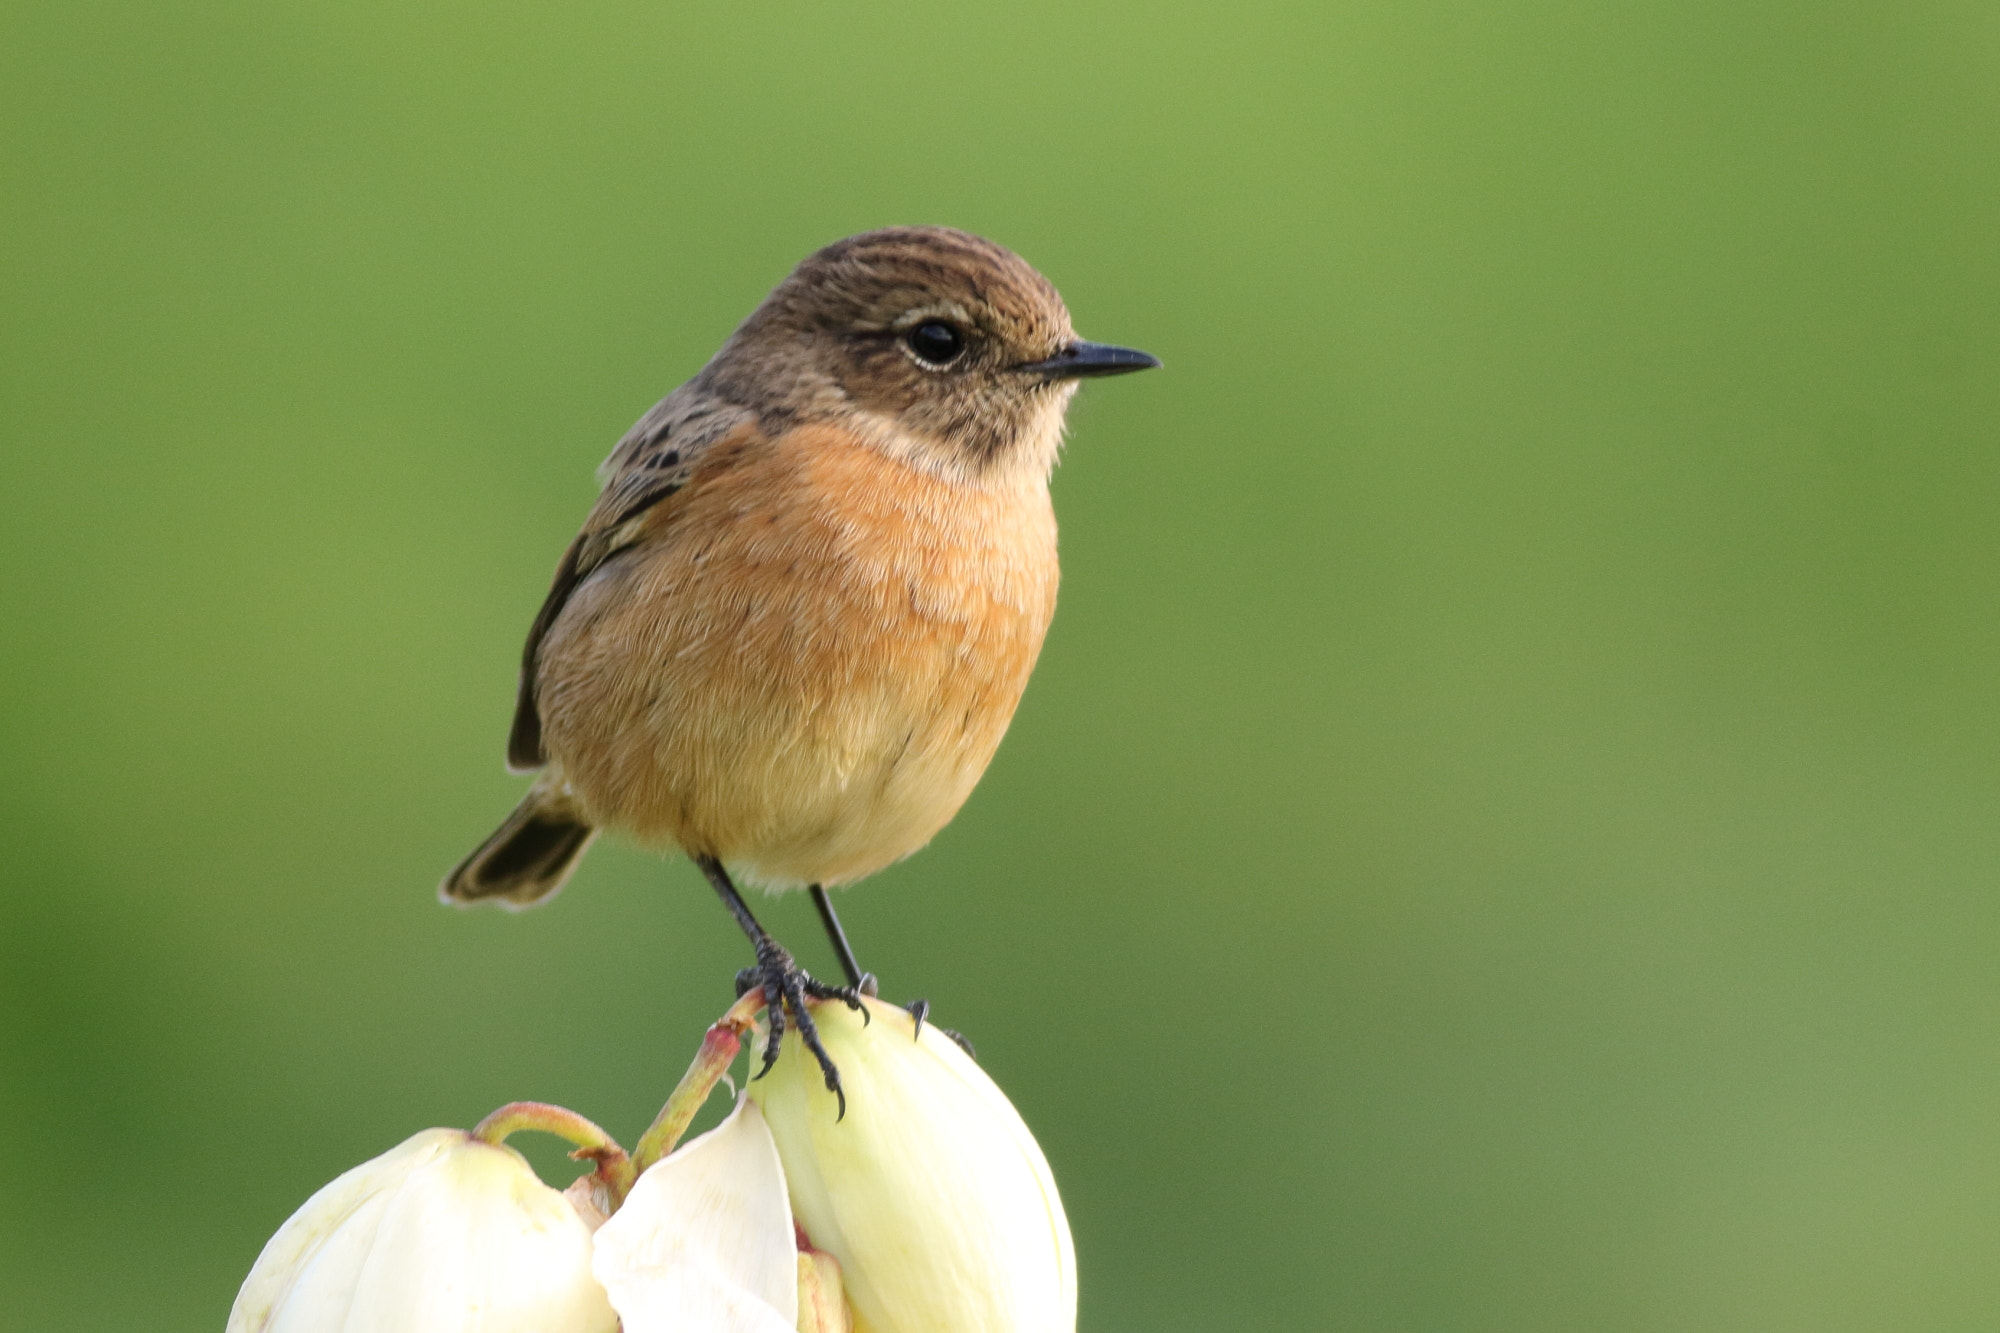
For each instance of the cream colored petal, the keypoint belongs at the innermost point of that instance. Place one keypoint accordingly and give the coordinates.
(704, 1242)
(440, 1234)
(304, 1279)
(475, 1241)
(931, 1193)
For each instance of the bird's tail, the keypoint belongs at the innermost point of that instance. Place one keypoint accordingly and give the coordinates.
(527, 859)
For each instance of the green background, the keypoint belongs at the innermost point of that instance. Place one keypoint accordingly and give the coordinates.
(1503, 835)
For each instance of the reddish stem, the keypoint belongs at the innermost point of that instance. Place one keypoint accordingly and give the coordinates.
(613, 1168)
(719, 1048)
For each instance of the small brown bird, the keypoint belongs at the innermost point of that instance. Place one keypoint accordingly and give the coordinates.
(800, 615)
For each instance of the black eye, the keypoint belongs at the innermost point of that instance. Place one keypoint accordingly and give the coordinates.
(935, 342)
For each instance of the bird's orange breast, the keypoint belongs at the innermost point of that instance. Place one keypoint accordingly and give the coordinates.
(806, 660)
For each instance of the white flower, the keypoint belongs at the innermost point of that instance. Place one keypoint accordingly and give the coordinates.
(928, 1209)
(440, 1234)
(931, 1193)
(704, 1243)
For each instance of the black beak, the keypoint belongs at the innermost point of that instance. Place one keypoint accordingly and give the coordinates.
(1082, 360)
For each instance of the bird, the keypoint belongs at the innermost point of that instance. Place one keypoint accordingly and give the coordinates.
(799, 617)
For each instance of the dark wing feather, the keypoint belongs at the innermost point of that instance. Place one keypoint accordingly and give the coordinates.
(524, 742)
(654, 460)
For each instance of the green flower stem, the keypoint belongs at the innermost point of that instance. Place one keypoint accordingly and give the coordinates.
(614, 1168)
(718, 1048)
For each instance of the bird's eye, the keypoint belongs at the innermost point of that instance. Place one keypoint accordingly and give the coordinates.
(935, 342)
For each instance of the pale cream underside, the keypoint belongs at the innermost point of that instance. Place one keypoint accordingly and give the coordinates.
(807, 663)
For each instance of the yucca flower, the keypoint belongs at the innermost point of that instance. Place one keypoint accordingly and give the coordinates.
(443, 1233)
(926, 1208)
(930, 1192)
(705, 1241)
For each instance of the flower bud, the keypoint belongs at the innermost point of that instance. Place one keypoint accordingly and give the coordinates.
(442, 1233)
(930, 1193)
(822, 1299)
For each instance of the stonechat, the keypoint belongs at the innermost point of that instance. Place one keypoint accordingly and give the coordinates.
(799, 617)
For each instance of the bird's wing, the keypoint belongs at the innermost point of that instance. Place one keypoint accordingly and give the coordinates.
(656, 458)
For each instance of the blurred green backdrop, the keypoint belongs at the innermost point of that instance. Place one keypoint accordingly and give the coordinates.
(1503, 834)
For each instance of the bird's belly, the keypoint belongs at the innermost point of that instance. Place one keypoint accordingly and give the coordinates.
(792, 768)
(863, 782)
(808, 699)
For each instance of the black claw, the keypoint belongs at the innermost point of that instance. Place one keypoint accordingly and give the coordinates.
(775, 1015)
(847, 995)
(921, 1010)
(797, 986)
(786, 988)
(784, 984)
(820, 990)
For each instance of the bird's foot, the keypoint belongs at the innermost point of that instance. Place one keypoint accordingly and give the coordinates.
(787, 987)
(920, 1010)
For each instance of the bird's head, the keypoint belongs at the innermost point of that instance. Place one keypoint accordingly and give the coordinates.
(944, 347)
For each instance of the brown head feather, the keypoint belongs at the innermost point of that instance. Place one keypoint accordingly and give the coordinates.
(832, 340)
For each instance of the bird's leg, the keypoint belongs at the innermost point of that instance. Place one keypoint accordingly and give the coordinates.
(864, 982)
(786, 985)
